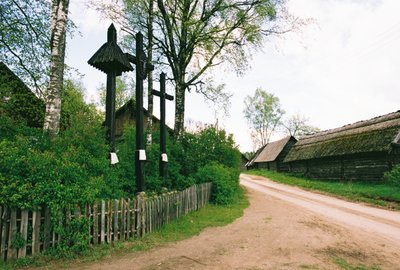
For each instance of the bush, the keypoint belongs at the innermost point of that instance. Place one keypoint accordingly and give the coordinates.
(225, 182)
(393, 177)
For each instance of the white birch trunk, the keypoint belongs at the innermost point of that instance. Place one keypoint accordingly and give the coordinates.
(59, 19)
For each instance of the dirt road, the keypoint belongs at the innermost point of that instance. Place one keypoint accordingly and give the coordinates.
(283, 228)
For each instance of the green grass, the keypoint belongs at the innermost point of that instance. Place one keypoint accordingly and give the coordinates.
(378, 194)
(342, 263)
(182, 228)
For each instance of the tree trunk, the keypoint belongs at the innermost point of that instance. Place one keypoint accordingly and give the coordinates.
(150, 75)
(180, 91)
(59, 18)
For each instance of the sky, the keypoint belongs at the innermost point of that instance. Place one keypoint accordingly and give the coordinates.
(341, 68)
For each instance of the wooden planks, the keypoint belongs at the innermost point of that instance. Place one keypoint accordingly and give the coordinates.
(24, 233)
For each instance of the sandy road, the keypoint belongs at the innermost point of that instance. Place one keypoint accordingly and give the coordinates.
(283, 228)
(370, 219)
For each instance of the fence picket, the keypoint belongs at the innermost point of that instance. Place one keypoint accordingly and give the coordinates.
(11, 250)
(24, 233)
(36, 231)
(4, 232)
(95, 224)
(116, 219)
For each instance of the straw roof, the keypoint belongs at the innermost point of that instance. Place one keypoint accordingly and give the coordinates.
(270, 151)
(373, 135)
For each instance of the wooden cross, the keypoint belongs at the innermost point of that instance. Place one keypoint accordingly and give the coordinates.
(163, 142)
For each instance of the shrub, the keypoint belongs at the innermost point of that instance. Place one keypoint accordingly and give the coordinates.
(393, 177)
(225, 182)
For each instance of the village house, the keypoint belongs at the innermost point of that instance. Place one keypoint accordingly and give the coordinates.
(126, 114)
(271, 155)
(363, 151)
(18, 101)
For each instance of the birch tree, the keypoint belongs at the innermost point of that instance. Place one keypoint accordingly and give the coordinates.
(263, 113)
(58, 27)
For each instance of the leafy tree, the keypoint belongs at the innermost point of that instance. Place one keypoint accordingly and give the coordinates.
(58, 28)
(25, 39)
(191, 37)
(263, 113)
(122, 93)
(297, 125)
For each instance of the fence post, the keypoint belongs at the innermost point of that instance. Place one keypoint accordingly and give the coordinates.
(24, 233)
(36, 231)
(95, 224)
(11, 250)
(4, 232)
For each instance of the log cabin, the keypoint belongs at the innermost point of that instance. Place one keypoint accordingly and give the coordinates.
(363, 151)
(271, 155)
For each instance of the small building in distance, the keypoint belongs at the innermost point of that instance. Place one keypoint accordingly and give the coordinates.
(363, 151)
(126, 114)
(243, 162)
(17, 101)
(271, 155)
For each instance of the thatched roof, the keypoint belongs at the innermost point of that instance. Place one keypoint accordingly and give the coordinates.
(270, 151)
(374, 135)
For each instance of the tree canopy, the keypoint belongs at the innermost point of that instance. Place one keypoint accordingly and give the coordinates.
(263, 112)
(25, 40)
(192, 37)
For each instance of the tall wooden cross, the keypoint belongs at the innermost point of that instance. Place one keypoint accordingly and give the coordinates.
(163, 141)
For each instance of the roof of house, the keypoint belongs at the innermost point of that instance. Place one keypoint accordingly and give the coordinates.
(373, 135)
(130, 105)
(270, 151)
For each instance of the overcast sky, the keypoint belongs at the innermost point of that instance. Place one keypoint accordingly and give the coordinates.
(341, 69)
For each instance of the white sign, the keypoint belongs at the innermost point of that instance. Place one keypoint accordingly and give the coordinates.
(114, 158)
(142, 154)
(164, 157)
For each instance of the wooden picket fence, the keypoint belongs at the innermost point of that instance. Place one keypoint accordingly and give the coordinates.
(24, 232)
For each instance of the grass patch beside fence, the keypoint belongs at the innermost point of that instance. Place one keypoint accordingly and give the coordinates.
(377, 194)
(182, 228)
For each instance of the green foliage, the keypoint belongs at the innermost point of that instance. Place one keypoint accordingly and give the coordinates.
(225, 182)
(393, 177)
(263, 113)
(25, 36)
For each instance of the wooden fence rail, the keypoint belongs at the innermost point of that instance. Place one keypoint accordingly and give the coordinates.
(26, 232)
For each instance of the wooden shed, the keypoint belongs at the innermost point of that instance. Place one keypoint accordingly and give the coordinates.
(126, 114)
(271, 155)
(360, 151)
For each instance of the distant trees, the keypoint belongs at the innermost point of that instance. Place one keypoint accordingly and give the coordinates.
(297, 125)
(265, 116)
(263, 113)
(122, 93)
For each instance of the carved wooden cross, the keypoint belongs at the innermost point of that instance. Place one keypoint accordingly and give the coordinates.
(163, 143)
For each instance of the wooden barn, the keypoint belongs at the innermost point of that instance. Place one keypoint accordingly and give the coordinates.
(271, 155)
(18, 101)
(360, 151)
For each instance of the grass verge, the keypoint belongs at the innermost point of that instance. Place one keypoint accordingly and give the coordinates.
(185, 227)
(377, 194)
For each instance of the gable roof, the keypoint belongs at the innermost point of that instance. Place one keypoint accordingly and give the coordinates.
(272, 150)
(373, 135)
